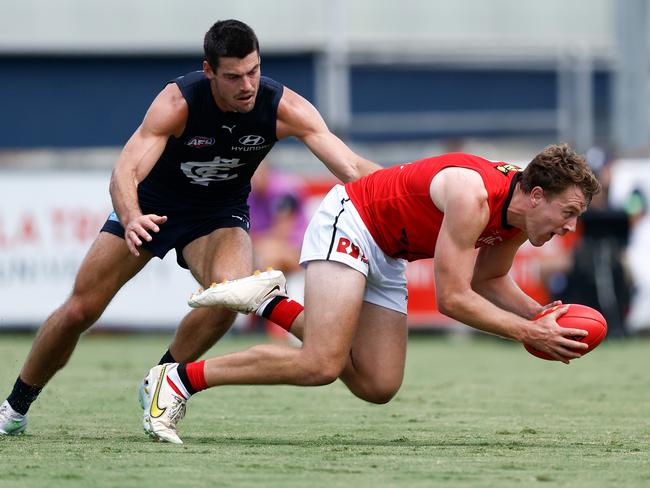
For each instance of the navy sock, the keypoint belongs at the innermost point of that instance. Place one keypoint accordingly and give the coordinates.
(167, 358)
(22, 396)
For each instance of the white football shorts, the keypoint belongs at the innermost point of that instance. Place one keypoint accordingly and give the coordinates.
(337, 233)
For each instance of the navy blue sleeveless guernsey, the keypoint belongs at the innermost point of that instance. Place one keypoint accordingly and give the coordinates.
(212, 162)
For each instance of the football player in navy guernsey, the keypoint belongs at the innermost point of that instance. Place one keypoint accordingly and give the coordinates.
(181, 182)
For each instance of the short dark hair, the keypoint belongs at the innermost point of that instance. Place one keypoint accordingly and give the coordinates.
(557, 168)
(228, 38)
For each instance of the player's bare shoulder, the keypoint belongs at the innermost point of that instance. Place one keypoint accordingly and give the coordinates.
(454, 184)
(168, 112)
(297, 116)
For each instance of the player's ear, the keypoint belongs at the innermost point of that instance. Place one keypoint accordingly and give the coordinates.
(207, 69)
(536, 196)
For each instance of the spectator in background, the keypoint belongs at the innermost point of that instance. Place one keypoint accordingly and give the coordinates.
(595, 273)
(278, 219)
(638, 320)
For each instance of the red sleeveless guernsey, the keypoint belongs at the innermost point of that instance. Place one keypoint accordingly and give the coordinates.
(396, 207)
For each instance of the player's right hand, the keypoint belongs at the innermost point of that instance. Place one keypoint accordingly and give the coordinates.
(139, 228)
(559, 342)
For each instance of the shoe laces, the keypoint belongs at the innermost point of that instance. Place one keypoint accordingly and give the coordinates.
(177, 411)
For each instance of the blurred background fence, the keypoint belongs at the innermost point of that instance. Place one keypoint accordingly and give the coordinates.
(397, 80)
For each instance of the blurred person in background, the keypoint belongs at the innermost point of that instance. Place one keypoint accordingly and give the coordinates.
(638, 319)
(181, 182)
(278, 223)
(594, 271)
(353, 325)
(278, 219)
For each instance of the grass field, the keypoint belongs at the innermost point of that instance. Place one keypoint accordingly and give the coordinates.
(471, 413)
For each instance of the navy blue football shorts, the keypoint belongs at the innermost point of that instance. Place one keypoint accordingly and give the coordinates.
(180, 230)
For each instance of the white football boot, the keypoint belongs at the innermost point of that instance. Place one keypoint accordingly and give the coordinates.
(244, 295)
(144, 398)
(166, 407)
(11, 422)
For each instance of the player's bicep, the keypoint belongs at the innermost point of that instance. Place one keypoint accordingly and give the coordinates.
(165, 117)
(454, 254)
(466, 214)
(297, 117)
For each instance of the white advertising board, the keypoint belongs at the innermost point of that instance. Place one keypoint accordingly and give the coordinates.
(48, 220)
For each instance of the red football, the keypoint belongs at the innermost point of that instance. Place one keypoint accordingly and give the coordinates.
(577, 317)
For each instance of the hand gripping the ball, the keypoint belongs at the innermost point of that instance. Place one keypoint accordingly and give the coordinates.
(566, 332)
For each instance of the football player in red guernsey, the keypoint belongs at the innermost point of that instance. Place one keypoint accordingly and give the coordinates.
(353, 325)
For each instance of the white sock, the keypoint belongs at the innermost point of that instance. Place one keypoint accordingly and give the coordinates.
(176, 379)
(260, 311)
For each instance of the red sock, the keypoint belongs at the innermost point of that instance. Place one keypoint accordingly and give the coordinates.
(196, 375)
(282, 311)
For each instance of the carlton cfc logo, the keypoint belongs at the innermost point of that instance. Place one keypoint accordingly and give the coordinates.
(352, 250)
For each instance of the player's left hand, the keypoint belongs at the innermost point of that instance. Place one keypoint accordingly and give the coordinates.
(139, 228)
(555, 303)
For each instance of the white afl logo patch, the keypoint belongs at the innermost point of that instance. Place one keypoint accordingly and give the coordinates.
(200, 141)
(251, 140)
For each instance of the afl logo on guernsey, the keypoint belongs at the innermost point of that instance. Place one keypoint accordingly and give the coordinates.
(200, 141)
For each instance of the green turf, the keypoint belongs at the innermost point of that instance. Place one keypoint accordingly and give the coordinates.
(470, 413)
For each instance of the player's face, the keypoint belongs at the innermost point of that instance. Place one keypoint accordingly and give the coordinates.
(557, 214)
(235, 83)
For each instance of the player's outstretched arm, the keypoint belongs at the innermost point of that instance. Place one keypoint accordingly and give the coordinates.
(299, 118)
(461, 195)
(166, 116)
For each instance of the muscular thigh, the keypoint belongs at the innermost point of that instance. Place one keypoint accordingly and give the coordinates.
(379, 345)
(108, 265)
(223, 254)
(333, 302)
